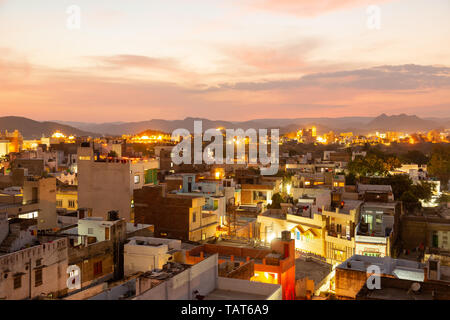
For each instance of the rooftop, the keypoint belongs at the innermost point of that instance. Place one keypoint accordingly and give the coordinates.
(399, 268)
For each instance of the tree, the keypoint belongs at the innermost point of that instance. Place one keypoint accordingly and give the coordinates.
(414, 156)
(410, 201)
(350, 179)
(439, 165)
(423, 190)
(375, 163)
(277, 200)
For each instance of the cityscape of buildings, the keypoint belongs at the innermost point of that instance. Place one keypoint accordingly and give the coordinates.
(217, 159)
(112, 218)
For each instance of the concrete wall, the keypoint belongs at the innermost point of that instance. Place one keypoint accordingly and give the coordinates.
(115, 293)
(271, 291)
(349, 282)
(53, 264)
(96, 226)
(202, 277)
(46, 188)
(85, 257)
(144, 258)
(4, 226)
(104, 186)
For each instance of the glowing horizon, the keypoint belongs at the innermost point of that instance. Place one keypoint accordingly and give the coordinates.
(233, 60)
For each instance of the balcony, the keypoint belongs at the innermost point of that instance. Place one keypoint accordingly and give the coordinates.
(374, 236)
(338, 238)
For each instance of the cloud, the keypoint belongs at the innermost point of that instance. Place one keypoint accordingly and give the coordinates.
(136, 61)
(310, 8)
(93, 95)
(387, 78)
(272, 58)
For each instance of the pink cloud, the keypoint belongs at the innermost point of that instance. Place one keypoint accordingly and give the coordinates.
(310, 8)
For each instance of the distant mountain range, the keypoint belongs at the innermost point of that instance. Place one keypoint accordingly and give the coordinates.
(359, 125)
(31, 129)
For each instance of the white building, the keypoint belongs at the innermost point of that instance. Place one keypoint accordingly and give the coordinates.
(143, 254)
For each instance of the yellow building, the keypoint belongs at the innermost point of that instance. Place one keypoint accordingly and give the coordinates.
(327, 233)
(67, 198)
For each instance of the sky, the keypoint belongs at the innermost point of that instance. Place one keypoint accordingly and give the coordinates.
(223, 60)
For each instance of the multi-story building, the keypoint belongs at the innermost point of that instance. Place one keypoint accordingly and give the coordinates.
(105, 185)
(376, 231)
(340, 237)
(35, 272)
(211, 190)
(177, 216)
(67, 197)
(274, 266)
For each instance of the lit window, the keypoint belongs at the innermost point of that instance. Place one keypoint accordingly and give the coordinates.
(137, 179)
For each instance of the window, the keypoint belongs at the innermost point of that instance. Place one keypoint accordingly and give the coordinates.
(31, 215)
(137, 179)
(90, 230)
(71, 203)
(59, 203)
(17, 282)
(194, 216)
(38, 262)
(98, 268)
(84, 158)
(38, 277)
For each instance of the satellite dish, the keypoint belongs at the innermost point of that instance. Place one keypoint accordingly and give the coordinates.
(415, 287)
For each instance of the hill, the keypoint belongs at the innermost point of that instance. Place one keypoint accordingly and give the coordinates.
(31, 129)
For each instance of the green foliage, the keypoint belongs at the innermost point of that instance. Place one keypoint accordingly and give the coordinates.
(277, 199)
(414, 156)
(410, 201)
(423, 190)
(350, 179)
(399, 183)
(439, 165)
(375, 163)
(404, 190)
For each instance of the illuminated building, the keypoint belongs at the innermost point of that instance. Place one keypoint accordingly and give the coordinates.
(67, 197)
(275, 265)
(4, 147)
(15, 140)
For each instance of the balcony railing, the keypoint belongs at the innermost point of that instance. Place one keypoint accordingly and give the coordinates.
(339, 235)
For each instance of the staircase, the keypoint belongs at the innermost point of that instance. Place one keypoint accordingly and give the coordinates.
(6, 244)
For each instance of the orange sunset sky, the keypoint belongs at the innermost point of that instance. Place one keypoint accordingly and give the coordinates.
(230, 60)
